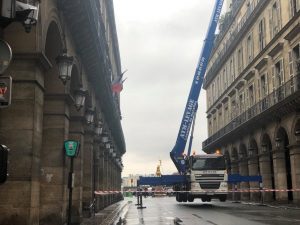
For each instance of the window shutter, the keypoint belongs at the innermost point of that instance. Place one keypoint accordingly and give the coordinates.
(271, 23)
(273, 77)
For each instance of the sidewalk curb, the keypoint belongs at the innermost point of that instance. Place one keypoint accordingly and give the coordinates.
(115, 215)
(269, 205)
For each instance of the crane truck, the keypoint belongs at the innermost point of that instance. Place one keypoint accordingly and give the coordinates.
(201, 176)
(206, 176)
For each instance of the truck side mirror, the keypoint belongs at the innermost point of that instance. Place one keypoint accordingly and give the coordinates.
(3, 163)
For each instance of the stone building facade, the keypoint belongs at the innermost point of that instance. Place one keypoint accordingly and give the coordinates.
(42, 114)
(253, 96)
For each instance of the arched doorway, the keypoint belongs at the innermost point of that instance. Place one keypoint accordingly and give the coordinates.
(244, 171)
(267, 167)
(283, 165)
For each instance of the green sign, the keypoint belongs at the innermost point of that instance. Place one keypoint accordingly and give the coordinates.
(71, 148)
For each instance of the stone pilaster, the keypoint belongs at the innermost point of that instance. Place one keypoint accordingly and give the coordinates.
(280, 174)
(77, 133)
(295, 168)
(87, 195)
(253, 171)
(21, 130)
(235, 170)
(243, 168)
(267, 175)
(101, 177)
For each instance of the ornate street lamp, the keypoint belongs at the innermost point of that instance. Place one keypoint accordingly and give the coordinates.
(89, 116)
(65, 64)
(80, 95)
(98, 128)
(277, 142)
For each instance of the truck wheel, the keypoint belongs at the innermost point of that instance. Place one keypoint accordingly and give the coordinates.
(178, 197)
(190, 198)
(223, 199)
(184, 197)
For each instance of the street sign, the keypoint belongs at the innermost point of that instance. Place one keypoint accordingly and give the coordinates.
(5, 91)
(71, 148)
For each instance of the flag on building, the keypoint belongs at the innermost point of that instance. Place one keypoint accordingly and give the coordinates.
(117, 83)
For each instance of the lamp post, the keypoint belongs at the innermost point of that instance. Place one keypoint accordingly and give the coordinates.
(71, 150)
(65, 64)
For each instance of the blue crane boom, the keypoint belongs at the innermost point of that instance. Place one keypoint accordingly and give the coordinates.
(192, 102)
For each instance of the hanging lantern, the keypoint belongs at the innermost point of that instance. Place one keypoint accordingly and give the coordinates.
(80, 96)
(89, 115)
(98, 129)
(65, 64)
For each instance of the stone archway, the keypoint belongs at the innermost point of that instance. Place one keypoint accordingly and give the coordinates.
(282, 165)
(254, 168)
(267, 167)
(244, 171)
(55, 130)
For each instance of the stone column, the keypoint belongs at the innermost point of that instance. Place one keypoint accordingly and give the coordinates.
(54, 163)
(253, 171)
(243, 167)
(77, 133)
(280, 174)
(105, 175)
(101, 177)
(266, 173)
(96, 175)
(87, 195)
(109, 173)
(235, 170)
(295, 168)
(21, 130)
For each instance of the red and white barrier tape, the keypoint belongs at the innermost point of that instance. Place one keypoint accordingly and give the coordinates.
(204, 191)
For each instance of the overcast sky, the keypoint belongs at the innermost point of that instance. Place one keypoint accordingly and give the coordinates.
(160, 42)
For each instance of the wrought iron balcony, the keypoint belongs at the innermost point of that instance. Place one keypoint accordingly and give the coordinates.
(276, 104)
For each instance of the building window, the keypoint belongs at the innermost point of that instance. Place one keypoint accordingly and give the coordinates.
(240, 60)
(294, 65)
(231, 70)
(233, 109)
(213, 92)
(263, 86)
(275, 18)
(249, 48)
(251, 100)
(293, 8)
(278, 74)
(225, 77)
(241, 102)
(261, 34)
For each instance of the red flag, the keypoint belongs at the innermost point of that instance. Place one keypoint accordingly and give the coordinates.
(117, 84)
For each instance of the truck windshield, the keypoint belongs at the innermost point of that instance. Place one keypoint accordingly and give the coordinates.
(209, 164)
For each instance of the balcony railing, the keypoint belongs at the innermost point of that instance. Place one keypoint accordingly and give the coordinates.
(245, 20)
(278, 95)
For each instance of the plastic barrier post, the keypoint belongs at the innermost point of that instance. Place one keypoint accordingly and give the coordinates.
(141, 202)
